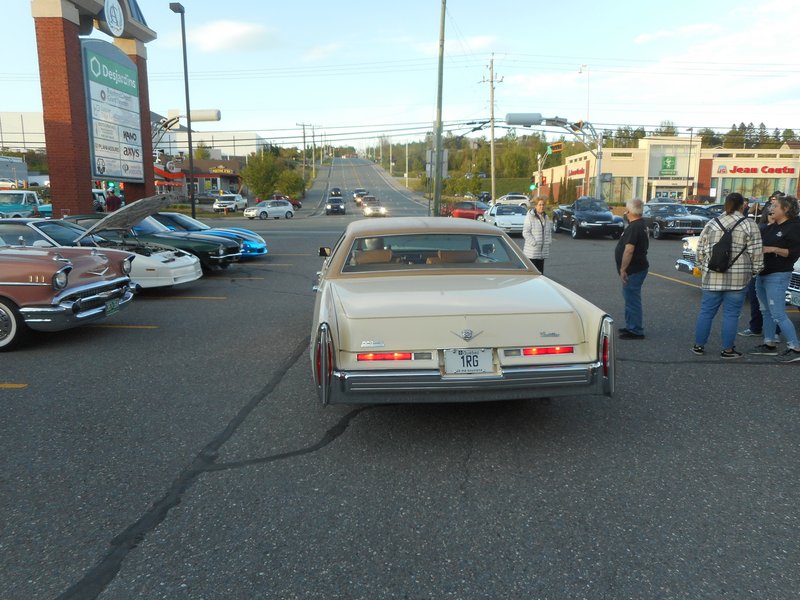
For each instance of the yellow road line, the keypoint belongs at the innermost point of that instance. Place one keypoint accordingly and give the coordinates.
(125, 326)
(182, 297)
(13, 386)
(694, 285)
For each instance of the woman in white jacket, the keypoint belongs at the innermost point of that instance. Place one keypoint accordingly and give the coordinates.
(538, 234)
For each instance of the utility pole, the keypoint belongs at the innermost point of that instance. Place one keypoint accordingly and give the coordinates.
(437, 177)
(492, 81)
(406, 164)
(303, 125)
(313, 154)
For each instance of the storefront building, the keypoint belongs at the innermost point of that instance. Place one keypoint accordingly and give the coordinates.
(677, 168)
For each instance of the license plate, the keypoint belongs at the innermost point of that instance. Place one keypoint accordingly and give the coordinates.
(459, 361)
(112, 306)
(796, 298)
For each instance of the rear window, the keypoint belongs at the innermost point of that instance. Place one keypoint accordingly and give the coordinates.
(430, 251)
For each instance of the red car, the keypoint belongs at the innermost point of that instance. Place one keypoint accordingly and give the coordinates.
(469, 209)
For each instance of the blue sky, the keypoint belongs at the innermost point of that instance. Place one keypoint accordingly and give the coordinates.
(371, 67)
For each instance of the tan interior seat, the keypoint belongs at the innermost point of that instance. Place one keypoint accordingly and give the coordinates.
(372, 257)
(453, 256)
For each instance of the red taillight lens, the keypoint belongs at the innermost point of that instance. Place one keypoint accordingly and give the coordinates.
(384, 356)
(539, 351)
(605, 356)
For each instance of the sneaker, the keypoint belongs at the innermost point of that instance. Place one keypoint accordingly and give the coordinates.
(749, 333)
(789, 355)
(765, 350)
(629, 335)
(699, 350)
(732, 353)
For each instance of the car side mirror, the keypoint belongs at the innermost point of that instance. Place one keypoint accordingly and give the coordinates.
(324, 251)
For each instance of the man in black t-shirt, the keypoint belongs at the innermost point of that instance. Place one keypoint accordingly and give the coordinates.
(631, 257)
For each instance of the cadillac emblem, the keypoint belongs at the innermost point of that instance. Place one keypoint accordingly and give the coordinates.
(467, 334)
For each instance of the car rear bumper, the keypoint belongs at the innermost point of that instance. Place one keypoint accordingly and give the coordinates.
(428, 386)
(79, 308)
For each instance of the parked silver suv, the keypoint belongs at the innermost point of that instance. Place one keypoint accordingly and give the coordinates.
(230, 202)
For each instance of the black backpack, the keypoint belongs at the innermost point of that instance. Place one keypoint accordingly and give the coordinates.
(720, 259)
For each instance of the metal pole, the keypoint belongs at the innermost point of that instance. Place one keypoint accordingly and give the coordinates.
(491, 120)
(437, 190)
(406, 164)
(598, 186)
(178, 8)
(688, 165)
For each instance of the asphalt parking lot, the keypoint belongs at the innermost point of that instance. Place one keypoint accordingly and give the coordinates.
(178, 451)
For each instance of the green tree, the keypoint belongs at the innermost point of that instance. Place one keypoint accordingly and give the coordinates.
(290, 182)
(261, 173)
(734, 138)
(709, 138)
(202, 151)
(666, 128)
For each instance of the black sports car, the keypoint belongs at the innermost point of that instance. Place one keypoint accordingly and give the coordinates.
(665, 219)
(587, 216)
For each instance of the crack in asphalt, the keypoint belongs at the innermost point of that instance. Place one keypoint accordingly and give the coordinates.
(98, 577)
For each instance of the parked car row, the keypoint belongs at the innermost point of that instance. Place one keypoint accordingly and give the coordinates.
(60, 273)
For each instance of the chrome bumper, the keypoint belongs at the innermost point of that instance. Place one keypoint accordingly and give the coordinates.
(685, 266)
(431, 386)
(232, 257)
(74, 311)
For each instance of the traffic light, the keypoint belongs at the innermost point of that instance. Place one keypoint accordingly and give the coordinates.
(556, 147)
(533, 183)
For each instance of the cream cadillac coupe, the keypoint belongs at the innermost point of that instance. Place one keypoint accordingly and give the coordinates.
(426, 309)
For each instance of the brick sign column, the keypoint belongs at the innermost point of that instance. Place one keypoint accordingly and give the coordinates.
(64, 106)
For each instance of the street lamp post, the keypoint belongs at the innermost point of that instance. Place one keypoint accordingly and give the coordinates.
(581, 70)
(583, 131)
(689, 165)
(177, 8)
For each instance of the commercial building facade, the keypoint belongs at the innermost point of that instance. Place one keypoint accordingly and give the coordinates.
(677, 168)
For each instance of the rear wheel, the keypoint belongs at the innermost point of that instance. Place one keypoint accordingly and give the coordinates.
(12, 327)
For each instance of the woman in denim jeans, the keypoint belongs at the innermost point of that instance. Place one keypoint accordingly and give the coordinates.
(781, 249)
(727, 289)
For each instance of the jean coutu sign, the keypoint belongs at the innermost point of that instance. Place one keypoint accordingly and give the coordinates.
(112, 109)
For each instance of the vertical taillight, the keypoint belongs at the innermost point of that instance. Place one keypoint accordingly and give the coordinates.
(606, 356)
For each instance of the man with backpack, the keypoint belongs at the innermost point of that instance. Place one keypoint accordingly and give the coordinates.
(729, 253)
